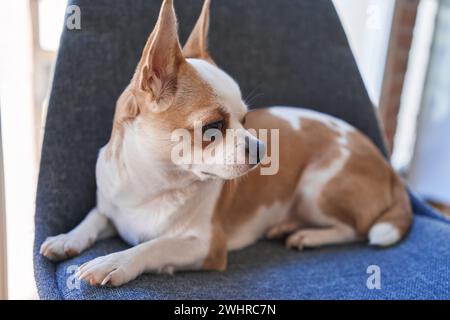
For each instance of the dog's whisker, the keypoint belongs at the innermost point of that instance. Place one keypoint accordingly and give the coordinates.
(251, 92)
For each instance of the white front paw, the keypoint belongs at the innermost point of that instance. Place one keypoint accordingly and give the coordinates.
(62, 246)
(114, 270)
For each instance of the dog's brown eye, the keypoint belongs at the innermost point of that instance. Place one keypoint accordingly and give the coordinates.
(217, 125)
(212, 129)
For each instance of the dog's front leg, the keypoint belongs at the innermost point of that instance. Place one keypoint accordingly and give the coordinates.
(94, 227)
(159, 255)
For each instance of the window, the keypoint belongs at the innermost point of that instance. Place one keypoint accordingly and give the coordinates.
(26, 65)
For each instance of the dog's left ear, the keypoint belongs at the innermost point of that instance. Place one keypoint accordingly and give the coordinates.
(156, 74)
(197, 43)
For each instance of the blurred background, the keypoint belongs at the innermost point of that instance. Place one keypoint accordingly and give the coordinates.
(402, 48)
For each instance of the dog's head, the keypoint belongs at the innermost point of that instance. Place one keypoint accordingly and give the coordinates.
(181, 90)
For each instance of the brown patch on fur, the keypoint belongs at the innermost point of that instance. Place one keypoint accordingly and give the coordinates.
(235, 205)
(366, 191)
(217, 255)
(241, 198)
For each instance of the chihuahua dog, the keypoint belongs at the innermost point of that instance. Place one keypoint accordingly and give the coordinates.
(332, 185)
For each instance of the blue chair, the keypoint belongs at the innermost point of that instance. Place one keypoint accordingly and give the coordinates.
(291, 52)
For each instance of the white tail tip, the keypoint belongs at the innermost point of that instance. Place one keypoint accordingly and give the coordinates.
(383, 234)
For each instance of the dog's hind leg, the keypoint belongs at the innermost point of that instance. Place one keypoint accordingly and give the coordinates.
(312, 238)
(282, 229)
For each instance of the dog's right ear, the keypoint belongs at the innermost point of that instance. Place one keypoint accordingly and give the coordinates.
(156, 75)
(197, 43)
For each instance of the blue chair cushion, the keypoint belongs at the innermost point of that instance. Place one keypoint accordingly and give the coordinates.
(417, 268)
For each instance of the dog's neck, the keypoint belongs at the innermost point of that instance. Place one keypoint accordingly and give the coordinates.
(139, 179)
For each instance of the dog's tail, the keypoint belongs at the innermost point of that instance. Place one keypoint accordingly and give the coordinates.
(394, 222)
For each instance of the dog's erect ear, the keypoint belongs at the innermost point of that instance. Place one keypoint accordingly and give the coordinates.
(197, 43)
(156, 74)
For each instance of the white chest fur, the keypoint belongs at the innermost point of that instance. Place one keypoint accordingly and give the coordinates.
(142, 214)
